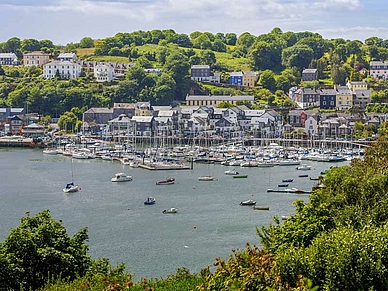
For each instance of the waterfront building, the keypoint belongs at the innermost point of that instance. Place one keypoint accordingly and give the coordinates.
(206, 100)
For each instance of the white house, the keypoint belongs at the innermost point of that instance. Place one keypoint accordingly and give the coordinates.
(104, 73)
(71, 57)
(9, 59)
(311, 125)
(65, 70)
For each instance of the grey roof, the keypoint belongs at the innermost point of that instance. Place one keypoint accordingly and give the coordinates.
(66, 55)
(309, 71)
(100, 110)
(124, 105)
(200, 67)
(328, 92)
(363, 93)
(236, 74)
(165, 113)
(254, 112)
(8, 55)
(142, 118)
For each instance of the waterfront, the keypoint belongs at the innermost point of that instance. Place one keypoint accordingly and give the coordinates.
(209, 224)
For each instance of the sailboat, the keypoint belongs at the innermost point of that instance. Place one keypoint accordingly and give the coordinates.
(71, 187)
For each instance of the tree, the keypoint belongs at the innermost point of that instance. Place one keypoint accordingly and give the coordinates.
(299, 55)
(29, 45)
(267, 80)
(230, 38)
(263, 56)
(40, 249)
(67, 121)
(207, 57)
(2, 72)
(86, 42)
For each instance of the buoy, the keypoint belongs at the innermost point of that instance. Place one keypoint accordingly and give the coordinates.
(193, 187)
(195, 227)
(80, 189)
(251, 194)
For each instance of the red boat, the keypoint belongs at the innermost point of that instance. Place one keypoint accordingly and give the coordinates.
(166, 182)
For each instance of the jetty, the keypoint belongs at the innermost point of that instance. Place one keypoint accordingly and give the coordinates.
(16, 141)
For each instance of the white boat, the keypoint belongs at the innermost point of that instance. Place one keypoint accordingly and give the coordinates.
(304, 167)
(134, 165)
(171, 210)
(206, 178)
(288, 163)
(80, 155)
(249, 202)
(71, 188)
(231, 172)
(121, 177)
(50, 151)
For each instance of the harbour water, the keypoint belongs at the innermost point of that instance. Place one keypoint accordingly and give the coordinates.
(209, 224)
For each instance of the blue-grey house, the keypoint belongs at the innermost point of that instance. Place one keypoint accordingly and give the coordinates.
(327, 99)
(236, 78)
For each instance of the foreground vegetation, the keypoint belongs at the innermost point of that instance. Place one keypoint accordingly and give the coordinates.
(338, 240)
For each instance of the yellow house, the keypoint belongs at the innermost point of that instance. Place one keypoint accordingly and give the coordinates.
(344, 97)
(249, 79)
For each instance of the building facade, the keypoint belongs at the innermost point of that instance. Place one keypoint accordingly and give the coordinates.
(35, 59)
(8, 59)
(206, 100)
(63, 70)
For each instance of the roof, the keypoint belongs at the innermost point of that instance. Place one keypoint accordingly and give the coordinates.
(124, 105)
(66, 55)
(200, 67)
(8, 55)
(236, 74)
(309, 71)
(36, 53)
(142, 118)
(100, 110)
(165, 113)
(254, 112)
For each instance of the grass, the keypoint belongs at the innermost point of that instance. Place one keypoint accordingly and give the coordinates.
(236, 64)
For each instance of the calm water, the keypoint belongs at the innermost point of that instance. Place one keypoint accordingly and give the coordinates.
(209, 224)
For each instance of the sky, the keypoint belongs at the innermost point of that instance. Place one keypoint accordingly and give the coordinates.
(64, 21)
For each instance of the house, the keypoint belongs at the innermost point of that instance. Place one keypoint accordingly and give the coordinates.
(226, 127)
(5, 113)
(33, 129)
(236, 78)
(311, 125)
(378, 70)
(362, 98)
(67, 57)
(35, 59)
(143, 109)
(250, 79)
(304, 97)
(104, 73)
(344, 97)
(62, 69)
(328, 99)
(16, 124)
(206, 100)
(144, 125)
(98, 115)
(9, 59)
(123, 108)
(247, 79)
(310, 74)
(202, 73)
(354, 86)
(121, 125)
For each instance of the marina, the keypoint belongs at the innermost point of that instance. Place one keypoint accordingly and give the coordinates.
(123, 229)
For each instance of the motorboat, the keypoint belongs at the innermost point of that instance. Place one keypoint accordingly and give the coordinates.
(304, 167)
(121, 177)
(171, 210)
(283, 185)
(303, 176)
(71, 188)
(206, 178)
(168, 181)
(50, 151)
(150, 201)
(287, 180)
(249, 202)
(231, 172)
